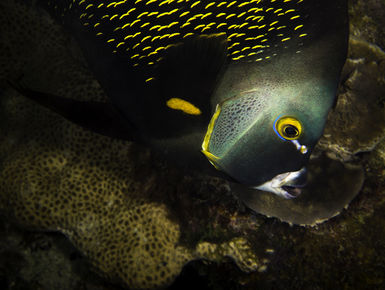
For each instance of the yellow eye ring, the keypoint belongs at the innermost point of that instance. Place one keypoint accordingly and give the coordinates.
(288, 128)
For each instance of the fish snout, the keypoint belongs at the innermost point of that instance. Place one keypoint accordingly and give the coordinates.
(288, 185)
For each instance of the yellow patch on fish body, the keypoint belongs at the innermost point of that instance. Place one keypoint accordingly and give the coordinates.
(184, 106)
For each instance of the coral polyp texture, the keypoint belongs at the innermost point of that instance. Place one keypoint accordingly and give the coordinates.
(97, 191)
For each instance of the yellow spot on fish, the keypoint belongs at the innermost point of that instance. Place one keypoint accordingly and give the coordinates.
(221, 24)
(120, 44)
(231, 4)
(196, 3)
(188, 34)
(135, 21)
(298, 27)
(241, 15)
(114, 16)
(119, 3)
(243, 4)
(185, 24)
(199, 26)
(234, 44)
(184, 13)
(142, 14)
(255, 10)
(238, 57)
(145, 38)
(184, 106)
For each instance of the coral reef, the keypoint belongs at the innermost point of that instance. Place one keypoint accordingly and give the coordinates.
(58, 177)
(137, 221)
(361, 94)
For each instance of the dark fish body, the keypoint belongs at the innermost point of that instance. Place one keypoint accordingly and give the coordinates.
(143, 30)
(249, 83)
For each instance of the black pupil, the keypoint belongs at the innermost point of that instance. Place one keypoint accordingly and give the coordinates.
(290, 131)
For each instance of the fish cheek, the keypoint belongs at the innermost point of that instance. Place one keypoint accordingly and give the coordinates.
(258, 161)
(255, 154)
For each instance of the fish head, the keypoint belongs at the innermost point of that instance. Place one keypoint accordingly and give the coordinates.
(263, 137)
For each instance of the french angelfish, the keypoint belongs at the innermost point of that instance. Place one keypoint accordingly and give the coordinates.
(247, 83)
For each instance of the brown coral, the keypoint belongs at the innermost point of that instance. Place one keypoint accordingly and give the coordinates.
(97, 191)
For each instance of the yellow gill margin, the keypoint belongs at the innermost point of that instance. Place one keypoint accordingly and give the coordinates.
(205, 145)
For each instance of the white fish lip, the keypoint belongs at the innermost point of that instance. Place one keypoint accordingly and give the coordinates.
(285, 184)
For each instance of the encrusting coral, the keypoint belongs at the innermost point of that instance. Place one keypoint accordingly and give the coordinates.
(97, 191)
(363, 75)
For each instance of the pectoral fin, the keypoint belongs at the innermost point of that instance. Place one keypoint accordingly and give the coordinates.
(100, 117)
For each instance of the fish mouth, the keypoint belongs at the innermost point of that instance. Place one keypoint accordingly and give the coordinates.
(287, 185)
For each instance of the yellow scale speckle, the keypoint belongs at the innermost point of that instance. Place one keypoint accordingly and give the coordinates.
(248, 25)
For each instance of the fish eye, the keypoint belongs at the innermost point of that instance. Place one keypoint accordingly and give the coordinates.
(288, 128)
(290, 131)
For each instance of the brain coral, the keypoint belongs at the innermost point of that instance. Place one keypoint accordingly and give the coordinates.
(103, 194)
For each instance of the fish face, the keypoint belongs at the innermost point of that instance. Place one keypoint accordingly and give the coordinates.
(263, 137)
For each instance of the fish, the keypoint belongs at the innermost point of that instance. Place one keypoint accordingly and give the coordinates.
(236, 89)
